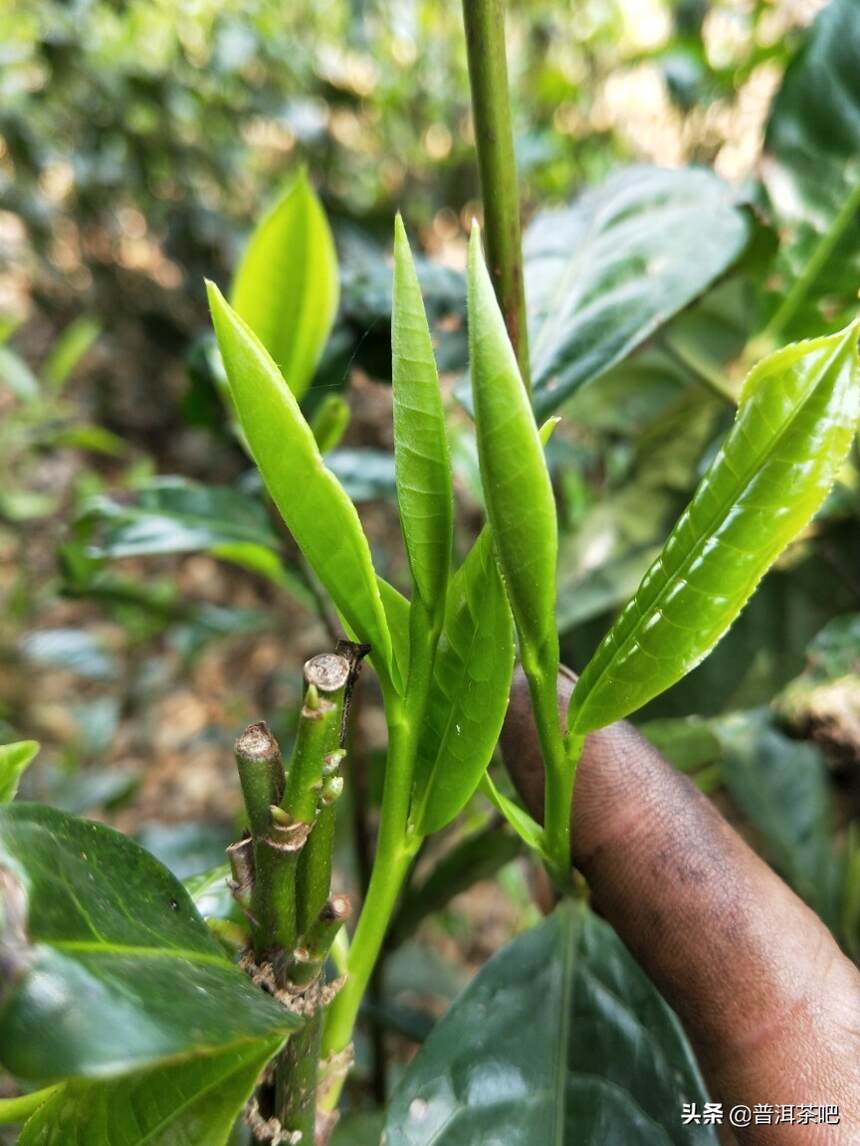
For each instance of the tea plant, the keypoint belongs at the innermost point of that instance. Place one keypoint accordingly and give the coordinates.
(119, 999)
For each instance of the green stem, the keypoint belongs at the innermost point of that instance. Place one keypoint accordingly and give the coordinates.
(317, 733)
(488, 77)
(393, 854)
(826, 246)
(396, 845)
(296, 1080)
(560, 773)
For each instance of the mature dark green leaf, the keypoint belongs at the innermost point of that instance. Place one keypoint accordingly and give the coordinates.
(424, 493)
(211, 895)
(688, 742)
(176, 515)
(469, 695)
(476, 857)
(363, 1128)
(781, 785)
(17, 375)
(365, 474)
(14, 761)
(73, 650)
(793, 430)
(108, 969)
(603, 275)
(826, 695)
(286, 286)
(517, 488)
(192, 1103)
(812, 174)
(320, 516)
(188, 848)
(560, 1038)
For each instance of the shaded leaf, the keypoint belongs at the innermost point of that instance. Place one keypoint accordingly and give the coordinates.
(793, 429)
(366, 475)
(478, 856)
(191, 1103)
(812, 171)
(73, 650)
(603, 275)
(175, 515)
(559, 1038)
(14, 761)
(109, 969)
(286, 286)
(363, 1128)
(469, 694)
(781, 785)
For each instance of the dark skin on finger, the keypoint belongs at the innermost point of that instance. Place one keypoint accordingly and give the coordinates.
(768, 999)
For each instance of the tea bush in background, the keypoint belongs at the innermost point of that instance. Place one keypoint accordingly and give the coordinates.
(661, 305)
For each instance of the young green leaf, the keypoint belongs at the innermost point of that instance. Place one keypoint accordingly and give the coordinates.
(469, 694)
(15, 759)
(312, 502)
(286, 287)
(19, 1109)
(794, 426)
(517, 488)
(108, 968)
(420, 439)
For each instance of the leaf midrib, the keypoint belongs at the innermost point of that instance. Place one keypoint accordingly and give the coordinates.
(84, 947)
(718, 517)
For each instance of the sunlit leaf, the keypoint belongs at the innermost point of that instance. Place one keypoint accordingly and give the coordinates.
(318, 513)
(469, 696)
(286, 286)
(517, 489)
(793, 429)
(14, 761)
(420, 440)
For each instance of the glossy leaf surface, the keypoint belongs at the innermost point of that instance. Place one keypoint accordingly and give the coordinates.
(782, 787)
(793, 429)
(603, 275)
(469, 695)
(812, 172)
(191, 1103)
(108, 967)
(15, 759)
(420, 439)
(561, 1039)
(318, 513)
(286, 286)
(175, 515)
(517, 489)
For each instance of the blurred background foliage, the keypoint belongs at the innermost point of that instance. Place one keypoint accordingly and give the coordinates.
(151, 603)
